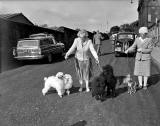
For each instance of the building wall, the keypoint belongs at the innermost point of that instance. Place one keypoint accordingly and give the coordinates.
(69, 36)
(142, 12)
(148, 11)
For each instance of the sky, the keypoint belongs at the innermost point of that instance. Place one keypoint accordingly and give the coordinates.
(91, 15)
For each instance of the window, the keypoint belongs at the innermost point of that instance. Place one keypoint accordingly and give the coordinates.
(124, 36)
(28, 43)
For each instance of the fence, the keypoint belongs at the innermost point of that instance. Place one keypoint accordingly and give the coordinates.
(154, 32)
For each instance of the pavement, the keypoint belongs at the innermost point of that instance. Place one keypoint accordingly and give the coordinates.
(156, 54)
(22, 102)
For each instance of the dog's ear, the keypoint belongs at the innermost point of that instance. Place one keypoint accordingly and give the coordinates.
(45, 78)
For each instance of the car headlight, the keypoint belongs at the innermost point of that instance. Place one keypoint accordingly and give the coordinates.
(118, 43)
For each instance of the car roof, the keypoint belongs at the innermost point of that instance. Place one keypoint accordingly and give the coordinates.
(36, 38)
(126, 33)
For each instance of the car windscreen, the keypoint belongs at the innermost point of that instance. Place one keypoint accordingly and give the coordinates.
(28, 43)
(125, 36)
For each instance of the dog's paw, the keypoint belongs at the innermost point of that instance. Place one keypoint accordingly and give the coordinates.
(97, 97)
(43, 92)
(61, 96)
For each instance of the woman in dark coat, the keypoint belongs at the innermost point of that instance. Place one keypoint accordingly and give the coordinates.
(143, 44)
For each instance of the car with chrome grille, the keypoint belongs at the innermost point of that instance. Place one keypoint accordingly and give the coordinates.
(38, 46)
(123, 41)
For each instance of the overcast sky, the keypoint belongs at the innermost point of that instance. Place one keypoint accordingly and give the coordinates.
(85, 14)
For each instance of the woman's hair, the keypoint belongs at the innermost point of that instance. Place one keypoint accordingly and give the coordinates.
(143, 30)
(82, 32)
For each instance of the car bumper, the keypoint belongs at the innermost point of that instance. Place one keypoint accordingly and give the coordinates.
(119, 50)
(29, 57)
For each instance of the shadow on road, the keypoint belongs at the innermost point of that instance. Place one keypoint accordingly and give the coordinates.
(120, 79)
(43, 61)
(80, 123)
(153, 79)
(107, 53)
(74, 90)
(51, 91)
(121, 90)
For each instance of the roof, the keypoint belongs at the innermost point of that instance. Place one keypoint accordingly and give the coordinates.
(8, 16)
(126, 33)
(62, 28)
(12, 16)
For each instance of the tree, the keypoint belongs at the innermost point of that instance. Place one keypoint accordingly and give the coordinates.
(114, 29)
(77, 29)
(43, 25)
(126, 28)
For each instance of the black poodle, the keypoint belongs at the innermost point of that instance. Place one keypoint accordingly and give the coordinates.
(105, 79)
(98, 87)
(110, 80)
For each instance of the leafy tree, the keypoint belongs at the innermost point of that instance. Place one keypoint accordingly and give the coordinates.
(114, 29)
(126, 28)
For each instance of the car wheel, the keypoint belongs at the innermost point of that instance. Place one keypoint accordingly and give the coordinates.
(62, 54)
(116, 54)
(50, 58)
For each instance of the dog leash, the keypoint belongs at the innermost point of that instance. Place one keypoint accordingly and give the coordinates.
(128, 62)
(99, 66)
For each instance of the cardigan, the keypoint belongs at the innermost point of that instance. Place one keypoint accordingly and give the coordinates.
(82, 49)
(146, 46)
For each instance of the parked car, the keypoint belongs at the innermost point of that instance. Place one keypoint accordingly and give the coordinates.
(113, 38)
(38, 46)
(123, 41)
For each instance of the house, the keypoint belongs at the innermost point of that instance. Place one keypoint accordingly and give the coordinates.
(16, 17)
(148, 12)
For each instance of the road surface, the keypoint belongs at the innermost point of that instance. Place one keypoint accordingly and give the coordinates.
(22, 103)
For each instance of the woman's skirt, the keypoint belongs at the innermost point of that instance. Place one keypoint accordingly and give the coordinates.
(83, 69)
(142, 68)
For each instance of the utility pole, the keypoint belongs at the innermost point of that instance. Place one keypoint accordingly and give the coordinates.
(131, 1)
(107, 25)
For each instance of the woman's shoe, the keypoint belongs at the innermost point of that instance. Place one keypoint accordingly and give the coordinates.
(87, 90)
(140, 86)
(145, 87)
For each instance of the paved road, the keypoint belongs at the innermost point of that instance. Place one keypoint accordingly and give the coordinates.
(22, 103)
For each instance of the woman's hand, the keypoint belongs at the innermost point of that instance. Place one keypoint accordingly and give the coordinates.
(97, 61)
(66, 56)
(126, 51)
(139, 50)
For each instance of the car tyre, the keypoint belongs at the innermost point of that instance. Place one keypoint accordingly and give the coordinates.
(116, 54)
(50, 58)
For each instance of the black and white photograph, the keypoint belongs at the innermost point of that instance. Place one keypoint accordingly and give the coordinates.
(79, 62)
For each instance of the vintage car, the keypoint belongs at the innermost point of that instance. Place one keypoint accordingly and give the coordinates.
(123, 41)
(113, 38)
(38, 46)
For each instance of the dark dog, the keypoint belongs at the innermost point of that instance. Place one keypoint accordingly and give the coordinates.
(110, 80)
(105, 79)
(98, 87)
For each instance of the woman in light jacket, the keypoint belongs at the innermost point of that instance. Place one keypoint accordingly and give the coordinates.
(143, 44)
(82, 46)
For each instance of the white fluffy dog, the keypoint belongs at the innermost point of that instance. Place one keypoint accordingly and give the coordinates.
(68, 82)
(130, 83)
(60, 82)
